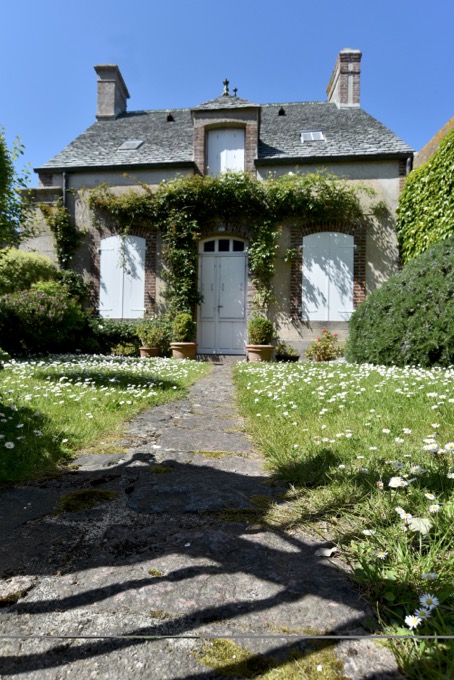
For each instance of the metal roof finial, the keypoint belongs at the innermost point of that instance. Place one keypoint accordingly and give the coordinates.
(226, 86)
(235, 90)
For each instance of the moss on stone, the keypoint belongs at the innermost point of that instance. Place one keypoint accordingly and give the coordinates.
(155, 572)
(213, 454)
(159, 614)
(159, 469)
(230, 660)
(84, 499)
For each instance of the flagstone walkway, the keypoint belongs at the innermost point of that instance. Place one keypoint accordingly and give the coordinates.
(177, 556)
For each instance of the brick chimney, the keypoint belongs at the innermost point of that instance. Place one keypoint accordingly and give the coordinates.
(343, 87)
(112, 92)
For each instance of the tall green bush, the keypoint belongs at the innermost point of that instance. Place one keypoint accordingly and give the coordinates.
(32, 322)
(410, 319)
(426, 206)
(19, 269)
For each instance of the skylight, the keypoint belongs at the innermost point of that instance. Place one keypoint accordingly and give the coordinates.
(131, 145)
(312, 136)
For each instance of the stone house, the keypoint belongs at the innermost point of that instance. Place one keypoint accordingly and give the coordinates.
(335, 265)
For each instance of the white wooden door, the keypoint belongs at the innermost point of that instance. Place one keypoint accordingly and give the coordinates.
(122, 277)
(222, 313)
(327, 277)
(225, 150)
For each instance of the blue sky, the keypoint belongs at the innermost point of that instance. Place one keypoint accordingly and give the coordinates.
(176, 53)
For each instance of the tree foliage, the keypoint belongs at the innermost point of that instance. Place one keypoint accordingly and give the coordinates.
(410, 319)
(426, 207)
(14, 205)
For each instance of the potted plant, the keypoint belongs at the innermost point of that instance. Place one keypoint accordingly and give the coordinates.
(285, 352)
(260, 334)
(183, 333)
(325, 348)
(154, 336)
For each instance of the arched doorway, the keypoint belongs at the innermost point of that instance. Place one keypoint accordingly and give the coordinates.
(221, 324)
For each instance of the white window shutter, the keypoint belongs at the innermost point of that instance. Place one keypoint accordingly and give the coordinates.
(110, 291)
(225, 150)
(341, 277)
(327, 277)
(122, 277)
(315, 301)
(134, 278)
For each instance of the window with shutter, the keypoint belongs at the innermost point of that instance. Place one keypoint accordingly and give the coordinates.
(122, 277)
(225, 150)
(327, 277)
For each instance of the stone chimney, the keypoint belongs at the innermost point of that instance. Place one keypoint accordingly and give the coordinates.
(343, 87)
(112, 92)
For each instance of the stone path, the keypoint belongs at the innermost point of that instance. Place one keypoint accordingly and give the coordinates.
(180, 551)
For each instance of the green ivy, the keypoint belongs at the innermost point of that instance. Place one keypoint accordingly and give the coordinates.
(66, 235)
(426, 206)
(185, 208)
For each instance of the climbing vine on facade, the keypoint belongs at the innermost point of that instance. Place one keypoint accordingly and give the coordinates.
(67, 236)
(186, 208)
(426, 206)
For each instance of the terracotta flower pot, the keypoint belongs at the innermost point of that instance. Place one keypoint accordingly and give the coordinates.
(259, 352)
(183, 350)
(148, 352)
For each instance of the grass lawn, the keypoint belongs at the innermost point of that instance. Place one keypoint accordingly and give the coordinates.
(368, 453)
(50, 408)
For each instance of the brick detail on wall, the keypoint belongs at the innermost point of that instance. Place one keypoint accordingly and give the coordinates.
(402, 173)
(344, 85)
(297, 233)
(150, 237)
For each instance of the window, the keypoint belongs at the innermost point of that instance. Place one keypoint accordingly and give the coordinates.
(122, 277)
(327, 277)
(131, 145)
(312, 136)
(225, 150)
(223, 245)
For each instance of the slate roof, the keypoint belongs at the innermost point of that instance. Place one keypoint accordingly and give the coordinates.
(163, 142)
(225, 101)
(348, 132)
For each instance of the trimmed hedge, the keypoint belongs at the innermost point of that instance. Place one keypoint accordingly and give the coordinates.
(426, 206)
(410, 319)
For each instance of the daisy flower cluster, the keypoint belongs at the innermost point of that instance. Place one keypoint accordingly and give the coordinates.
(427, 602)
(51, 406)
(371, 450)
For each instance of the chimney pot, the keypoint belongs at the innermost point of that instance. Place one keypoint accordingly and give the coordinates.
(112, 92)
(344, 85)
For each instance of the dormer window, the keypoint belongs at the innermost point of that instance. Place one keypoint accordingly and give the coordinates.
(225, 150)
(312, 136)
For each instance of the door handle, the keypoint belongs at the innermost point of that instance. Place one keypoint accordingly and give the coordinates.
(219, 306)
